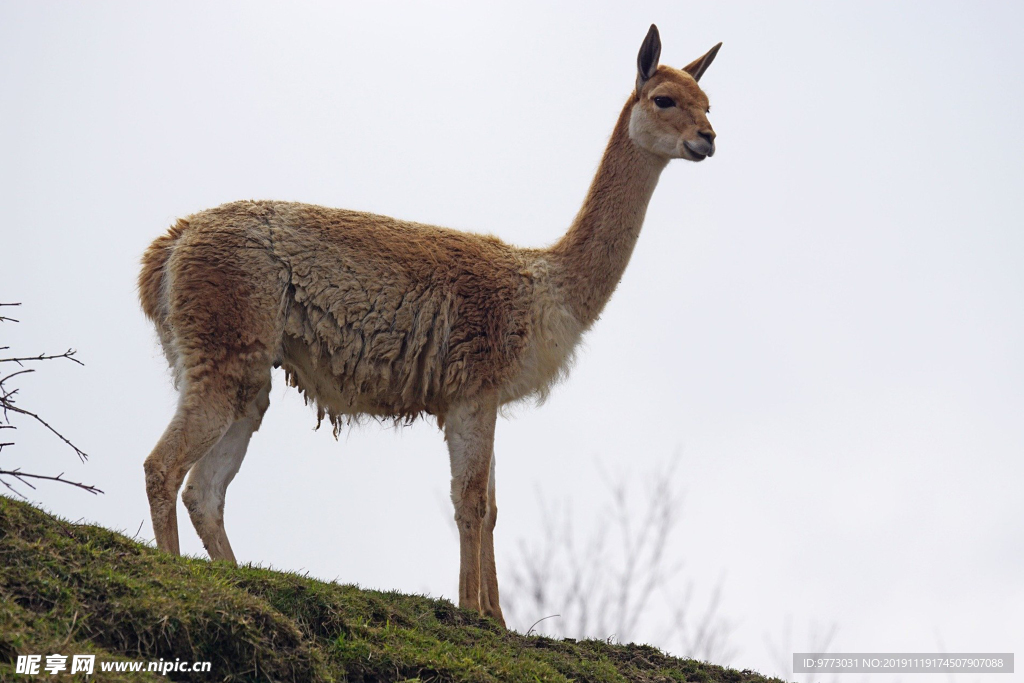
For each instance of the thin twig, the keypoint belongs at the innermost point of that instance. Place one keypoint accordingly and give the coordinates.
(7, 397)
(5, 318)
(21, 476)
(69, 354)
(13, 490)
(82, 455)
(529, 631)
(15, 374)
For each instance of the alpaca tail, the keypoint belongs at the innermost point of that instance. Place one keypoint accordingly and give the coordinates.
(154, 266)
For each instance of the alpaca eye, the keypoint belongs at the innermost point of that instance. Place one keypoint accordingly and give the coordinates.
(664, 102)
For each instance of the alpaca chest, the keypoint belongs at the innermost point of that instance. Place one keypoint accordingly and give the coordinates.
(550, 353)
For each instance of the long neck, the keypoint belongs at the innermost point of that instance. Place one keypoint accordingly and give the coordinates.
(594, 252)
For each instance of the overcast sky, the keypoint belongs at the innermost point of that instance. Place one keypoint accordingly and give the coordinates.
(825, 320)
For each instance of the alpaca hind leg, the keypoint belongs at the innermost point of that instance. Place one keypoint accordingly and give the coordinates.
(469, 430)
(209, 479)
(489, 579)
(199, 423)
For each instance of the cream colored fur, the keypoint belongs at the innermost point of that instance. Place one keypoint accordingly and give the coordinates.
(369, 315)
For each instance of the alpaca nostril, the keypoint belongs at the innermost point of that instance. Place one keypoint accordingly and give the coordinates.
(708, 135)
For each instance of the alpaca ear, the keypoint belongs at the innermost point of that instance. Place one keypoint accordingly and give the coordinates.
(697, 67)
(647, 60)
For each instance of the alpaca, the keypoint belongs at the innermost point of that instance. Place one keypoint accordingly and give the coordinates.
(373, 316)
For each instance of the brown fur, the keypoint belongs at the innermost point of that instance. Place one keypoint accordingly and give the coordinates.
(370, 315)
(402, 318)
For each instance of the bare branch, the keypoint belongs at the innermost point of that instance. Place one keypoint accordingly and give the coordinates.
(7, 406)
(5, 318)
(13, 490)
(22, 476)
(14, 374)
(69, 354)
(82, 455)
(609, 582)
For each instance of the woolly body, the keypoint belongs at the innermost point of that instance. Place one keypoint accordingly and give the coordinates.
(367, 314)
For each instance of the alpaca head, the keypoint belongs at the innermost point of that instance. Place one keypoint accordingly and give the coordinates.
(670, 115)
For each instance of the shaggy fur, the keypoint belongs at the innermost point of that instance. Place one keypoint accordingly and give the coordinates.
(369, 315)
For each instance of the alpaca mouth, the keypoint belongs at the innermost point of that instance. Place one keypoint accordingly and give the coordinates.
(695, 156)
(699, 151)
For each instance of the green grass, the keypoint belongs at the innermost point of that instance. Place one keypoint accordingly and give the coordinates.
(78, 589)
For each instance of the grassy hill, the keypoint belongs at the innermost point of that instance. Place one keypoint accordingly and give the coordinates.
(77, 589)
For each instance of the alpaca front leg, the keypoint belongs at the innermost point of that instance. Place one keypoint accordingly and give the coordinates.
(469, 430)
(489, 578)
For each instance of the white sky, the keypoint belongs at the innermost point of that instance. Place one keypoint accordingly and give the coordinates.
(825, 319)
